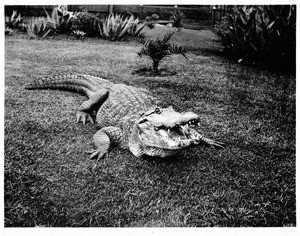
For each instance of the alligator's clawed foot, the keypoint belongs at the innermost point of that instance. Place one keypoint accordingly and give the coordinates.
(97, 154)
(215, 144)
(84, 117)
(219, 145)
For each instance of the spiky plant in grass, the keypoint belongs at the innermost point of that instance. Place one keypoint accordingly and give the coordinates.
(119, 28)
(14, 20)
(158, 49)
(177, 19)
(38, 28)
(79, 34)
(8, 31)
(59, 19)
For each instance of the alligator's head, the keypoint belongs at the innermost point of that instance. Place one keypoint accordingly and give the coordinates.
(164, 132)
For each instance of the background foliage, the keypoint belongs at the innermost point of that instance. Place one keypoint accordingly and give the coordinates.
(86, 22)
(261, 34)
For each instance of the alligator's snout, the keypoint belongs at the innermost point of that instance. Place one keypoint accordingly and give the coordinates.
(167, 118)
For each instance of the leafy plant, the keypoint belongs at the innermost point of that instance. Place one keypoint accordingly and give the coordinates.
(59, 19)
(177, 19)
(119, 28)
(151, 20)
(260, 33)
(135, 30)
(86, 22)
(158, 49)
(79, 34)
(14, 20)
(8, 31)
(38, 28)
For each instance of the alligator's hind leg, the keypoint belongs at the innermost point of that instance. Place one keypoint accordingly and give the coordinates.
(93, 104)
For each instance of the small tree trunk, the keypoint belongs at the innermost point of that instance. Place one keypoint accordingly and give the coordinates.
(155, 67)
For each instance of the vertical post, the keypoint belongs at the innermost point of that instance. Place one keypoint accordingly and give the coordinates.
(141, 12)
(110, 9)
(213, 15)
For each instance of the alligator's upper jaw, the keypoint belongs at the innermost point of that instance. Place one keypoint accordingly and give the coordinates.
(173, 134)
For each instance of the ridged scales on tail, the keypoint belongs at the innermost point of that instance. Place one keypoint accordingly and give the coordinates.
(128, 116)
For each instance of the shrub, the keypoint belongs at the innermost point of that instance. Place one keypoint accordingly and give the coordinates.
(119, 28)
(38, 27)
(151, 20)
(158, 49)
(14, 21)
(260, 34)
(86, 22)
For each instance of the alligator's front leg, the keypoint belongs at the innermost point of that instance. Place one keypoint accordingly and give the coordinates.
(93, 104)
(104, 138)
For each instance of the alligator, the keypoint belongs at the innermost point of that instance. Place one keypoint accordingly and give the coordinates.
(129, 117)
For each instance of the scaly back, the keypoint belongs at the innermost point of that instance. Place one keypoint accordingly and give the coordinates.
(123, 101)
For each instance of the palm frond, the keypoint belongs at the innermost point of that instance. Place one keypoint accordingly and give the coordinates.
(141, 40)
(167, 37)
(175, 49)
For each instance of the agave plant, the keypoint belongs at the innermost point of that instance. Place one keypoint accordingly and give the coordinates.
(158, 49)
(177, 19)
(79, 34)
(38, 28)
(14, 20)
(59, 18)
(8, 31)
(119, 28)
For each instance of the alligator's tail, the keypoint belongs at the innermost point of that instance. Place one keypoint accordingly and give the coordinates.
(84, 84)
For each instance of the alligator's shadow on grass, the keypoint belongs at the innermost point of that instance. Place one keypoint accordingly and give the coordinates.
(157, 159)
(182, 160)
(148, 72)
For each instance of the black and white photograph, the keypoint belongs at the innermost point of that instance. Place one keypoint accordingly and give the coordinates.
(149, 116)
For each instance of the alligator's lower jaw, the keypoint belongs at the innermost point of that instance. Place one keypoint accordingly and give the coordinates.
(161, 152)
(177, 138)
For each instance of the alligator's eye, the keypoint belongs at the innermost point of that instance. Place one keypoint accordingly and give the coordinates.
(157, 110)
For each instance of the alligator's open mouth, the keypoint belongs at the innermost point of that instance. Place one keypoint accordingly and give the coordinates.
(179, 135)
(169, 129)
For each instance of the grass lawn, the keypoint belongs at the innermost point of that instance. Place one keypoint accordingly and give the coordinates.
(50, 181)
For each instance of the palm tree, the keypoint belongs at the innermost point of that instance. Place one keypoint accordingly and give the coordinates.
(158, 49)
